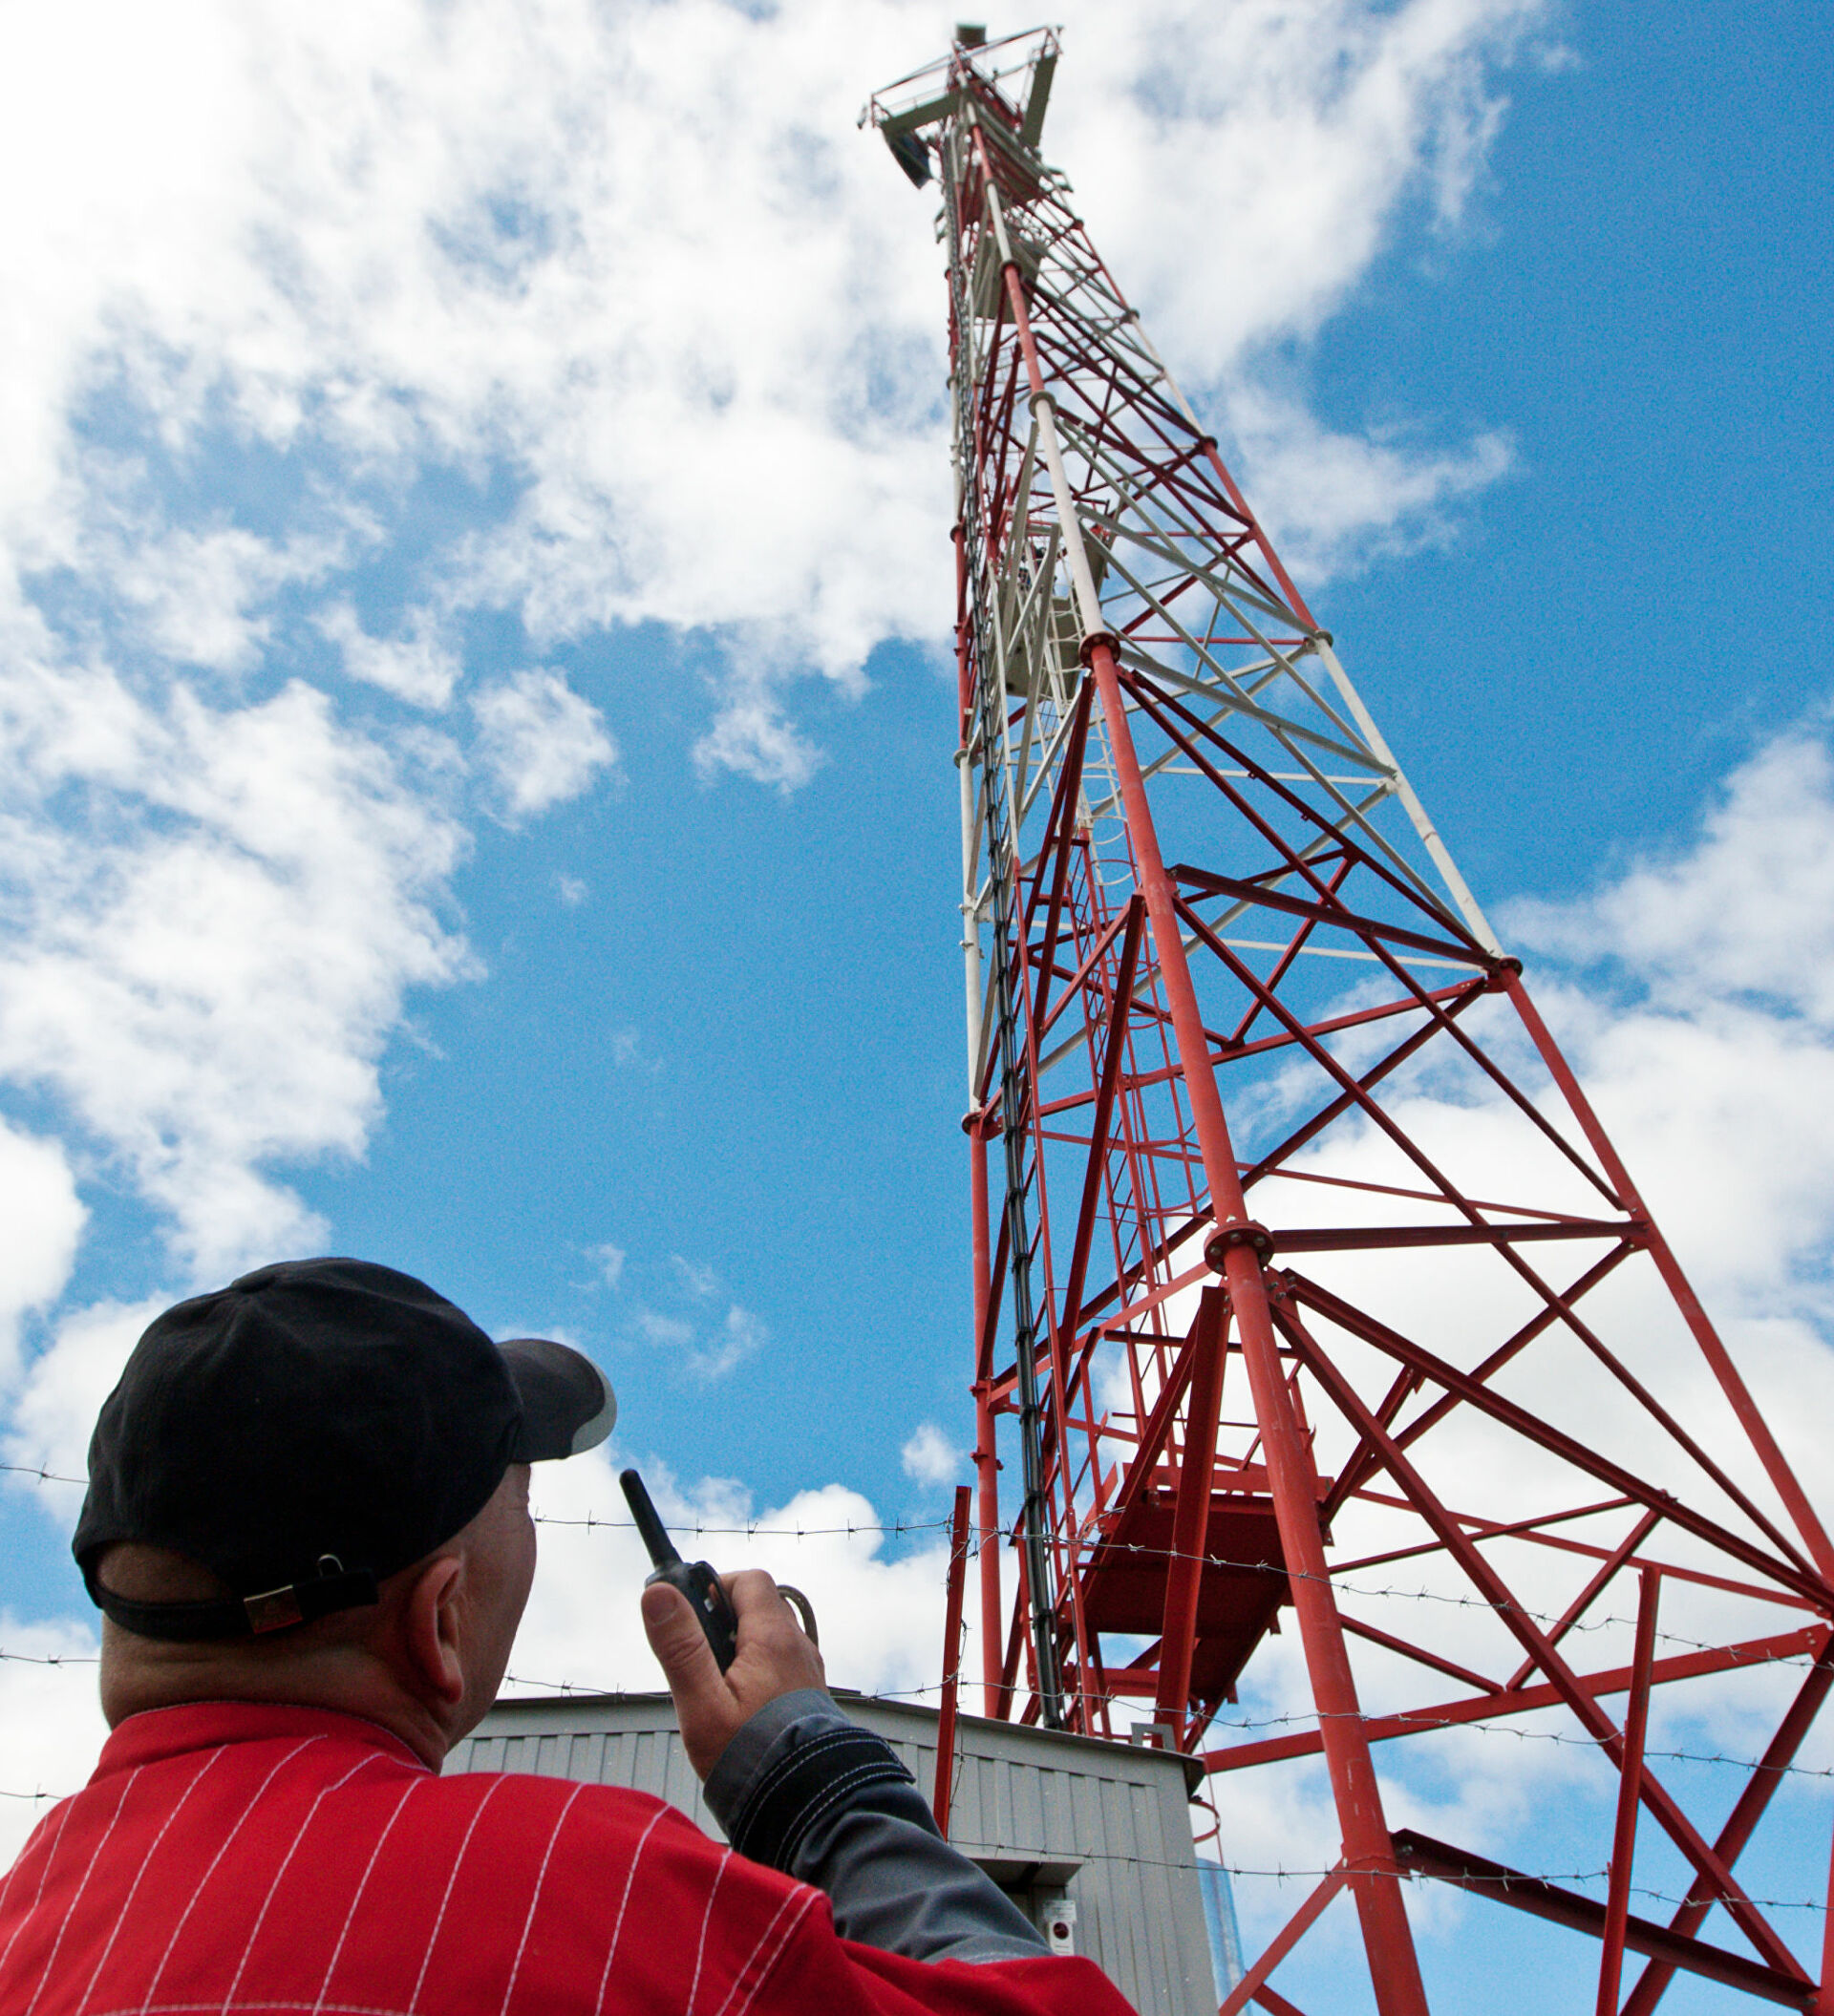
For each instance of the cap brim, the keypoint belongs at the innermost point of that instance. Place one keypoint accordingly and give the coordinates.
(567, 1403)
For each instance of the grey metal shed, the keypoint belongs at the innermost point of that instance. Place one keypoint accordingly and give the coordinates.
(1091, 1839)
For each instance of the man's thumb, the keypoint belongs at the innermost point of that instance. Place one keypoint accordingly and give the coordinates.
(681, 1646)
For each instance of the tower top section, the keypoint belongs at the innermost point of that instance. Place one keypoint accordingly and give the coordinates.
(1009, 81)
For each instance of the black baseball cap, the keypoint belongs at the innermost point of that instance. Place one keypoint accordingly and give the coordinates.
(311, 1429)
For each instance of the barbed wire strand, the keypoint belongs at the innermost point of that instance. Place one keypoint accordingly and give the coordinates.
(1305, 1718)
(756, 1529)
(992, 1850)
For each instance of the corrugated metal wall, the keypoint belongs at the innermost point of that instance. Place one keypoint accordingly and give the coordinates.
(1022, 1797)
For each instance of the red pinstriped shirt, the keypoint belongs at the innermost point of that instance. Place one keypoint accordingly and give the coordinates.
(240, 1857)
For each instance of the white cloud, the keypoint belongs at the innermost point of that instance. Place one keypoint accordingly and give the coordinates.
(416, 667)
(710, 1350)
(1328, 124)
(64, 1388)
(540, 740)
(45, 1219)
(929, 1457)
(702, 338)
(303, 298)
(751, 736)
(1744, 914)
(710, 1346)
(195, 590)
(609, 1262)
(51, 1722)
(740, 1336)
(205, 964)
(1335, 500)
(879, 1619)
(701, 1282)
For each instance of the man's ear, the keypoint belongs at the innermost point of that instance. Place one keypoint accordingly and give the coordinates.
(432, 1628)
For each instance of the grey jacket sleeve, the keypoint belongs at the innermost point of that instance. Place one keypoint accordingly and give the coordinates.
(805, 1790)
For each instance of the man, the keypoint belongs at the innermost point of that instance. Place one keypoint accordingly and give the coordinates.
(307, 1531)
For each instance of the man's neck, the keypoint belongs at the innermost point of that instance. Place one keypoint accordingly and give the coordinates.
(340, 1680)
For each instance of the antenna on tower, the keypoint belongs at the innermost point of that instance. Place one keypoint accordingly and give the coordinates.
(1298, 1251)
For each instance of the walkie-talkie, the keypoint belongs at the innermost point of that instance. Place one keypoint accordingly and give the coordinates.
(695, 1580)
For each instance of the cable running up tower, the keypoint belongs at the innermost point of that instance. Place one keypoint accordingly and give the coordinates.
(1306, 1280)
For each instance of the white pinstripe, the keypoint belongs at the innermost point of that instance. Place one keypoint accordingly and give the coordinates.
(706, 1918)
(196, 1893)
(201, 2008)
(432, 1938)
(139, 1875)
(51, 1849)
(802, 1897)
(6, 1888)
(204, 2008)
(286, 1862)
(363, 1882)
(617, 1924)
(127, 1785)
(534, 1897)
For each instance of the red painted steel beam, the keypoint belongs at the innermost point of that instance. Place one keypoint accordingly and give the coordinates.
(944, 1793)
(1680, 1829)
(1365, 1239)
(1536, 1531)
(1763, 1443)
(1252, 1984)
(987, 1462)
(1420, 1656)
(1540, 1899)
(1551, 1438)
(1208, 1350)
(1393, 1968)
(1525, 1700)
(1583, 1601)
(1119, 1008)
(1741, 1823)
(1323, 911)
(1630, 1796)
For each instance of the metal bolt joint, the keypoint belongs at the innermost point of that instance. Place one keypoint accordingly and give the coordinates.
(1238, 1232)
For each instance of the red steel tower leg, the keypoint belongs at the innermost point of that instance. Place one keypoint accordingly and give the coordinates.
(1393, 1967)
(1305, 1276)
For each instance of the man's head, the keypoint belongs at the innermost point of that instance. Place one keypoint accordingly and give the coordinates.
(312, 1486)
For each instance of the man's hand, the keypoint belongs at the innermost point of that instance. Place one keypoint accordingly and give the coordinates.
(774, 1657)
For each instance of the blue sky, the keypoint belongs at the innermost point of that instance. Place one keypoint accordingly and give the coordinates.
(473, 592)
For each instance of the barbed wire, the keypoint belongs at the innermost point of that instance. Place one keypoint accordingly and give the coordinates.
(1303, 1718)
(992, 1850)
(757, 1530)
(1388, 1593)
(1246, 1725)
(1031, 1851)
(753, 1529)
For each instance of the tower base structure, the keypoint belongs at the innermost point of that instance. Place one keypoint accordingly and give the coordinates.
(1324, 1351)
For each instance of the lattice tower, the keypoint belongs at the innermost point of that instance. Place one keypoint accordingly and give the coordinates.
(1307, 1286)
